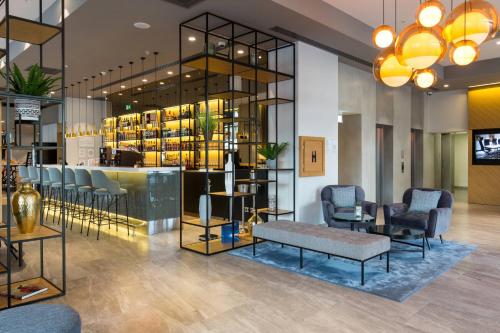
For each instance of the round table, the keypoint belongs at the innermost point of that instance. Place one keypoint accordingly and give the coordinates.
(362, 221)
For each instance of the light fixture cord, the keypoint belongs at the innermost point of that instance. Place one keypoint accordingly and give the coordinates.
(383, 11)
(131, 89)
(79, 106)
(465, 20)
(120, 94)
(93, 118)
(72, 107)
(395, 16)
(86, 104)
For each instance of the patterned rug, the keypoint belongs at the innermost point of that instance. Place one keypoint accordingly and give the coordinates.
(409, 271)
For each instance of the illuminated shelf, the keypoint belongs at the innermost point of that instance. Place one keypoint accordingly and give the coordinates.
(28, 31)
(52, 291)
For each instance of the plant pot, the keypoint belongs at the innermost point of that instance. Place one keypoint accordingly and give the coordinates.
(26, 208)
(271, 164)
(27, 109)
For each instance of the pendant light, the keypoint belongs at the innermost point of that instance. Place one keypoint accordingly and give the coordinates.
(80, 132)
(389, 70)
(420, 47)
(465, 51)
(93, 132)
(72, 132)
(476, 19)
(87, 131)
(425, 78)
(66, 129)
(430, 13)
(384, 35)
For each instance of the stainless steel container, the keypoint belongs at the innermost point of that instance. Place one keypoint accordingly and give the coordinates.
(253, 188)
(243, 188)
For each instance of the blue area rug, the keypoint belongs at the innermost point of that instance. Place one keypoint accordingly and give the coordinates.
(409, 271)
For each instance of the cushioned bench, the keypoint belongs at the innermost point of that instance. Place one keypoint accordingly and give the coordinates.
(346, 244)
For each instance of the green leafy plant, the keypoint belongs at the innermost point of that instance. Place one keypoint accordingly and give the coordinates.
(36, 83)
(207, 125)
(271, 151)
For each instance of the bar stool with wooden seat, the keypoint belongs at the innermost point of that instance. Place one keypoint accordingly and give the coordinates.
(109, 190)
(24, 176)
(84, 190)
(71, 190)
(55, 193)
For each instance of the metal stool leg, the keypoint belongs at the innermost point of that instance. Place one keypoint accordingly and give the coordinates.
(126, 212)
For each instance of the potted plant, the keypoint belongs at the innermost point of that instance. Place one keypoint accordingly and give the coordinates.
(271, 151)
(207, 125)
(36, 83)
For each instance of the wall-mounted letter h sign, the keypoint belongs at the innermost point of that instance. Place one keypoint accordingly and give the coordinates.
(312, 156)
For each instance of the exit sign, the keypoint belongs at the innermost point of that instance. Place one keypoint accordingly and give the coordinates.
(128, 107)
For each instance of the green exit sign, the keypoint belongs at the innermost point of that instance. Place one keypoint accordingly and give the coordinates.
(128, 107)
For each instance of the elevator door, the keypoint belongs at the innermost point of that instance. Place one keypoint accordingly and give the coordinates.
(384, 161)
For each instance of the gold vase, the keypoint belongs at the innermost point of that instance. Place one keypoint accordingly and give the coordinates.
(26, 208)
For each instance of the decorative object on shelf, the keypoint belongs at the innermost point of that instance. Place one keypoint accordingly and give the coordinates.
(252, 175)
(254, 219)
(207, 125)
(205, 206)
(358, 210)
(270, 152)
(230, 232)
(422, 44)
(387, 69)
(384, 35)
(243, 188)
(253, 188)
(36, 83)
(26, 208)
(271, 203)
(312, 156)
(228, 174)
(425, 78)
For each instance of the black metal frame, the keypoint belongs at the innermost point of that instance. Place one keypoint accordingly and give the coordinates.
(9, 97)
(252, 77)
(301, 256)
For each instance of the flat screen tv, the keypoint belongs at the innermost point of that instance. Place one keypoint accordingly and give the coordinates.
(486, 146)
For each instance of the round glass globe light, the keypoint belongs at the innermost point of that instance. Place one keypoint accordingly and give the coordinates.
(383, 36)
(430, 13)
(464, 52)
(420, 47)
(477, 21)
(425, 78)
(386, 68)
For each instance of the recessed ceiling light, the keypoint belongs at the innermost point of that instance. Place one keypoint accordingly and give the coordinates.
(142, 25)
(120, 94)
(52, 92)
(144, 80)
(123, 86)
(136, 101)
(260, 57)
(89, 96)
(104, 92)
(139, 88)
(162, 83)
(170, 73)
(192, 38)
(446, 85)
(240, 51)
(103, 73)
(498, 42)
(66, 66)
(188, 76)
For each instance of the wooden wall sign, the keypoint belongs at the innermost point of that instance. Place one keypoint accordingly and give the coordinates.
(312, 156)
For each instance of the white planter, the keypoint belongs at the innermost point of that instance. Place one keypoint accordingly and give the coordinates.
(271, 164)
(27, 109)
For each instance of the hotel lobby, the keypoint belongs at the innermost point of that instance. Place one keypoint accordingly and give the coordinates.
(253, 166)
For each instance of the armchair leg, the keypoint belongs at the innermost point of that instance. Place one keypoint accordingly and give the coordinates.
(428, 245)
(441, 238)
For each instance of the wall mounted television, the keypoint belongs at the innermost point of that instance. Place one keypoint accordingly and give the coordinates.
(486, 146)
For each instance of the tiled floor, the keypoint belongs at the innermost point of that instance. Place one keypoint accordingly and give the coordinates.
(147, 284)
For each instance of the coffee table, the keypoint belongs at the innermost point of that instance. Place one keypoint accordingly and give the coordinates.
(362, 221)
(400, 234)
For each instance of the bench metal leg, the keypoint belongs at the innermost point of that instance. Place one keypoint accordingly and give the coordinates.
(441, 238)
(301, 259)
(362, 273)
(253, 245)
(328, 256)
(387, 254)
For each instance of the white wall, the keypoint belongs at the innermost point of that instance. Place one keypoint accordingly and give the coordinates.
(461, 161)
(316, 115)
(446, 112)
(429, 157)
(401, 141)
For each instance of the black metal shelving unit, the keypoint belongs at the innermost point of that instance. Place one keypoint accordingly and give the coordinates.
(252, 74)
(38, 33)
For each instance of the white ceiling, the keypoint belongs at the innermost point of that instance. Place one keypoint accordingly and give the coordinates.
(370, 13)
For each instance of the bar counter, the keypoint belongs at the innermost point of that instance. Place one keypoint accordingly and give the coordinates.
(153, 195)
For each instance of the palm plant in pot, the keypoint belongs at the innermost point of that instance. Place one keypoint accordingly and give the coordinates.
(207, 125)
(36, 83)
(271, 151)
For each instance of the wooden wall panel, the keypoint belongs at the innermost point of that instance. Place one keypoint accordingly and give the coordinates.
(484, 112)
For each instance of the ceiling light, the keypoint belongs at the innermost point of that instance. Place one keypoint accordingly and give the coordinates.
(430, 13)
(260, 57)
(192, 38)
(170, 73)
(383, 36)
(144, 80)
(89, 96)
(136, 101)
(139, 88)
(142, 25)
(103, 73)
(52, 92)
(104, 92)
(420, 47)
(162, 83)
(122, 86)
(387, 69)
(240, 51)
(425, 78)
(120, 94)
(188, 76)
(66, 66)
(464, 53)
(446, 85)
(498, 42)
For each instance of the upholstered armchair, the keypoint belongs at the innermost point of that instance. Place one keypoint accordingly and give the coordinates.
(329, 207)
(435, 222)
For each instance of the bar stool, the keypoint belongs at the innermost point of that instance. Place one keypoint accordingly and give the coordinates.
(85, 189)
(110, 190)
(55, 193)
(23, 174)
(71, 190)
(33, 174)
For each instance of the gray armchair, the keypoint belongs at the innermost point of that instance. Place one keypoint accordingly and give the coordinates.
(435, 222)
(329, 208)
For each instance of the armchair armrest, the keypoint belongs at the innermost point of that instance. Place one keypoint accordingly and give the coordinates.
(370, 208)
(328, 210)
(395, 208)
(439, 221)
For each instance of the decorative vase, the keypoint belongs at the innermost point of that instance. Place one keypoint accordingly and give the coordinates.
(27, 109)
(228, 176)
(271, 164)
(26, 208)
(205, 209)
